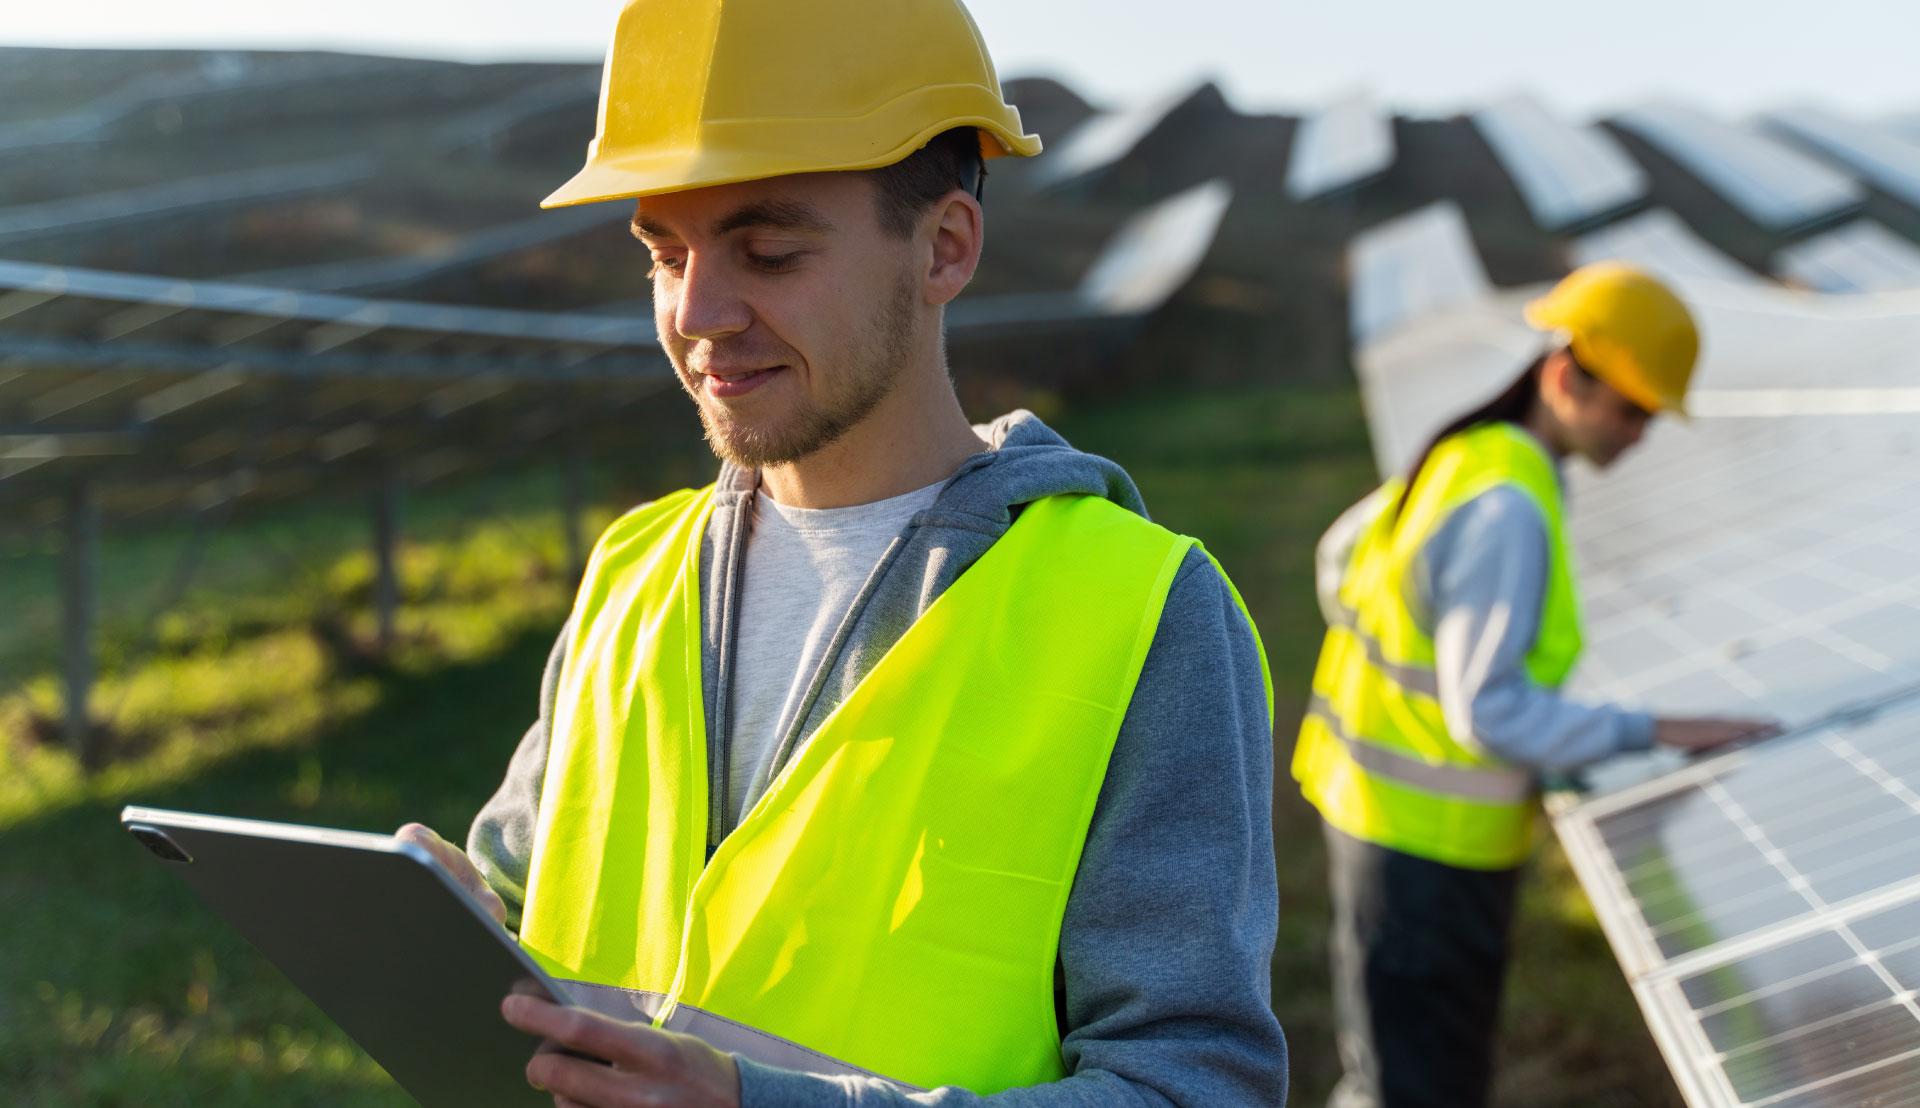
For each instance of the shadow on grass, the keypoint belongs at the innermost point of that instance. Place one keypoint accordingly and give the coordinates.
(119, 988)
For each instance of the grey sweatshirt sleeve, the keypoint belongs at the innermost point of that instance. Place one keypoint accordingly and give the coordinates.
(1168, 938)
(500, 842)
(1335, 550)
(1481, 583)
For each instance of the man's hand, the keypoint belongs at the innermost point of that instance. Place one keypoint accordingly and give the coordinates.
(455, 862)
(645, 1066)
(1700, 734)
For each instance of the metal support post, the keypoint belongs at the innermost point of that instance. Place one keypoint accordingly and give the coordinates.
(79, 588)
(386, 539)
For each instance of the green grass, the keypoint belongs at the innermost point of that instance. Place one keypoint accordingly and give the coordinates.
(116, 988)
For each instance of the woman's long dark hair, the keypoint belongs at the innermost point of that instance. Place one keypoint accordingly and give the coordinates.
(1513, 405)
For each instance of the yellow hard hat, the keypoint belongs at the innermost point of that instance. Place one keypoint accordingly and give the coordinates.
(708, 92)
(1628, 329)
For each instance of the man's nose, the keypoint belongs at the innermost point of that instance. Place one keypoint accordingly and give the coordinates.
(708, 303)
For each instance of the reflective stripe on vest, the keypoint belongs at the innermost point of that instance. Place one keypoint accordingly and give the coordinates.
(1374, 753)
(1472, 782)
(894, 899)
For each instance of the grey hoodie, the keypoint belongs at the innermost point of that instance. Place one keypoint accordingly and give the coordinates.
(1162, 986)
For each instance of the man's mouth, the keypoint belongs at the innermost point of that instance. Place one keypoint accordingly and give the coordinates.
(727, 384)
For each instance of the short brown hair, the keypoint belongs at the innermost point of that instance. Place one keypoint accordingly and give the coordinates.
(907, 188)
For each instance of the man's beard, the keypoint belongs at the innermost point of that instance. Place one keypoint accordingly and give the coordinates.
(870, 375)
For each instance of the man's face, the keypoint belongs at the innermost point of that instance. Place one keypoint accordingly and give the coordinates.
(1601, 423)
(787, 312)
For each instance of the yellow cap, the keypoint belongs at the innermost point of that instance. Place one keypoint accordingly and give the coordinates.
(706, 92)
(1628, 329)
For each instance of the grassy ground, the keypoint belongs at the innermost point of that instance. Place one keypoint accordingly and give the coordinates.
(117, 989)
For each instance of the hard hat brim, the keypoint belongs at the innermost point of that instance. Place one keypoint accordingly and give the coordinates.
(708, 164)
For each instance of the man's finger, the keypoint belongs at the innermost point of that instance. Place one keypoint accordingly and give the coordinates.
(457, 865)
(629, 1045)
(572, 1080)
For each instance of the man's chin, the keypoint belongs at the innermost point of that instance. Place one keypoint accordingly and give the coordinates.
(750, 445)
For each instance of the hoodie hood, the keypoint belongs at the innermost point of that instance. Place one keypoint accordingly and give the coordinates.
(1025, 461)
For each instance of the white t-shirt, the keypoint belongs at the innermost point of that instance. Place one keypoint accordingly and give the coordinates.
(804, 566)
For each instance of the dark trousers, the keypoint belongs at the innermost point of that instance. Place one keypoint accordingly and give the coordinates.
(1419, 953)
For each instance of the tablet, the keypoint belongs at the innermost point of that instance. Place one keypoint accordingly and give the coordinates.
(388, 945)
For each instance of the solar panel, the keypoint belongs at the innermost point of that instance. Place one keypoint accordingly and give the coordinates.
(1659, 242)
(1881, 155)
(1862, 256)
(1157, 251)
(1568, 174)
(1104, 139)
(1346, 143)
(1144, 263)
(1766, 907)
(1409, 267)
(1775, 185)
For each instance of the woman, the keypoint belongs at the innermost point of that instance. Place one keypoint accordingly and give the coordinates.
(1453, 618)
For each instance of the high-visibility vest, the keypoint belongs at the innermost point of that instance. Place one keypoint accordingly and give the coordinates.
(1374, 753)
(894, 900)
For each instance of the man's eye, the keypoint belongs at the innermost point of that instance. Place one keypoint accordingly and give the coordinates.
(667, 264)
(774, 263)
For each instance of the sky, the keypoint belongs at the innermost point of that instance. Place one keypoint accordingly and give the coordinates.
(1428, 57)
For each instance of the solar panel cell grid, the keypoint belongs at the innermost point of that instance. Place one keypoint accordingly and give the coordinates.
(1781, 573)
(1772, 913)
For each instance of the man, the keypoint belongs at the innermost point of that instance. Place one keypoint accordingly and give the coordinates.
(907, 753)
(1453, 618)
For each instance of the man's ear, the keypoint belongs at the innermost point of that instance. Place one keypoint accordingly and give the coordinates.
(955, 228)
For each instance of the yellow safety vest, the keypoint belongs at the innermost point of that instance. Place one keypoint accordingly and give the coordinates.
(894, 899)
(1374, 753)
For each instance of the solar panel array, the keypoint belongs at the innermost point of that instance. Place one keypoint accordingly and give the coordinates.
(1878, 154)
(215, 391)
(1775, 185)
